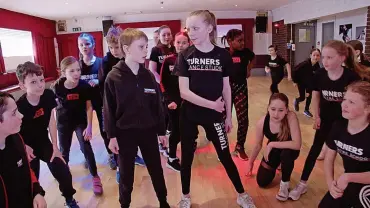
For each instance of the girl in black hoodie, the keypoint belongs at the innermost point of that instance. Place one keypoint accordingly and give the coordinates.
(133, 116)
(303, 77)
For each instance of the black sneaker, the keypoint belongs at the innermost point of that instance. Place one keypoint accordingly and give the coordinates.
(308, 113)
(296, 105)
(112, 162)
(174, 165)
(71, 204)
(240, 152)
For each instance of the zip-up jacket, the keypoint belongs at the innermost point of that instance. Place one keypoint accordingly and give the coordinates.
(132, 101)
(303, 73)
(170, 83)
(21, 193)
(108, 62)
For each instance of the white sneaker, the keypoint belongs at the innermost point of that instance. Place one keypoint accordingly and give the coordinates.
(245, 201)
(283, 193)
(185, 202)
(296, 193)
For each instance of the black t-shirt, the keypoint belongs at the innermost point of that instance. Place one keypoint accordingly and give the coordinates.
(354, 149)
(72, 102)
(15, 173)
(332, 92)
(159, 53)
(89, 72)
(36, 119)
(276, 66)
(241, 59)
(205, 72)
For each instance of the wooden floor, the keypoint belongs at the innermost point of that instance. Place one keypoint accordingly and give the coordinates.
(210, 186)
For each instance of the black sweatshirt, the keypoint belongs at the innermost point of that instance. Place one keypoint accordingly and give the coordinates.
(132, 101)
(108, 62)
(304, 72)
(169, 82)
(18, 183)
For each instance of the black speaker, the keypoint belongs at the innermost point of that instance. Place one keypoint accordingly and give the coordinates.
(106, 25)
(261, 24)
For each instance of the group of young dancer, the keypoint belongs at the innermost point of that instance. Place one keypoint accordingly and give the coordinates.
(190, 82)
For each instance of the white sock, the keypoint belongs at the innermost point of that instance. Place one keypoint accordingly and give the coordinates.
(171, 159)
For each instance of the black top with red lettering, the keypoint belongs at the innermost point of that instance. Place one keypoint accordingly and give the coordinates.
(89, 72)
(241, 59)
(332, 92)
(205, 72)
(18, 183)
(36, 119)
(71, 102)
(170, 83)
(159, 53)
(353, 148)
(276, 66)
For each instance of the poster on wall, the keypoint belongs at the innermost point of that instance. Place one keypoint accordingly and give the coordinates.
(62, 26)
(361, 34)
(345, 32)
(304, 35)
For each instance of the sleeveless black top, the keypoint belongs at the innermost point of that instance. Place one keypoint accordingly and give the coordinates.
(267, 131)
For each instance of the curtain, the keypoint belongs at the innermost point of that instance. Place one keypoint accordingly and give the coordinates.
(44, 54)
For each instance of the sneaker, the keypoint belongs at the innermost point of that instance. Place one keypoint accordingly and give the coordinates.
(299, 190)
(283, 193)
(245, 201)
(296, 105)
(117, 176)
(240, 152)
(71, 204)
(112, 162)
(307, 113)
(97, 186)
(139, 161)
(185, 202)
(163, 150)
(164, 205)
(174, 165)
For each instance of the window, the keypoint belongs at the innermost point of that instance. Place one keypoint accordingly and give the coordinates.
(16, 46)
(149, 31)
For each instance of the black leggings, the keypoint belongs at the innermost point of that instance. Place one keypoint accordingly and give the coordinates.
(276, 79)
(215, 133)
(128, 142)
(240, 101)
(43, 151)
(320, 137)
(97, 104)
(266, 171)
(65, 134)
(174, 139)
(302, 95)
(354, 196)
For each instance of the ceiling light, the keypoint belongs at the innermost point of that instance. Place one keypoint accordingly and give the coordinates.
(236, 5)
(161, 7)
(66, 3)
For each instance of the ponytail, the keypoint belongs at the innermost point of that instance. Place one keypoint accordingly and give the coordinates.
(223, 40)
(352, 63)
(284, 129)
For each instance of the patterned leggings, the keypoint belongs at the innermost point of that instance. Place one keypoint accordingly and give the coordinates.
(240, 100)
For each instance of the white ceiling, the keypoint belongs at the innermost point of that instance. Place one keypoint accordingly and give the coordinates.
(65, 9)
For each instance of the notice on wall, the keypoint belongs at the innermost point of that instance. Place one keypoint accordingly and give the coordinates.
(304, 35)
